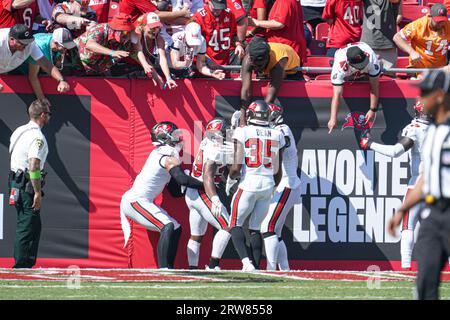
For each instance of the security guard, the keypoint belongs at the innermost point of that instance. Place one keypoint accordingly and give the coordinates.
(28, 150)
(433, 243)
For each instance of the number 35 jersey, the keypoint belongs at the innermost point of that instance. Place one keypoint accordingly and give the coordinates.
(261, 146)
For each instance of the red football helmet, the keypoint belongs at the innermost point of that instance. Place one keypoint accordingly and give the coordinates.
(276, 114)
(216, 128)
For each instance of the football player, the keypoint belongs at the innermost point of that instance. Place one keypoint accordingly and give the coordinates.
(257, 158)
(287, 194)
(161, 168)
(411, 139)
(205, 206)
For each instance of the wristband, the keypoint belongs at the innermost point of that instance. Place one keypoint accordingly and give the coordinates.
(35, 175)
(374, 109)
(111, 53)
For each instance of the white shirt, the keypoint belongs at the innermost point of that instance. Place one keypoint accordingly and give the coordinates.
(290, 159)
(177, 5)
(209, 151)
(27, 142)
(153, 177)
(261, 145)
(342, 71)
(436, 161)
(416, 131)
(313, 3)
(179, 44)
(9, 61)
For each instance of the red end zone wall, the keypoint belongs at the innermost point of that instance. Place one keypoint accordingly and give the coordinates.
(122, 114)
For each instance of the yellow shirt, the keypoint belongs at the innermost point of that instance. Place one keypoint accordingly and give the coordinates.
(431, 45)
(279, 51)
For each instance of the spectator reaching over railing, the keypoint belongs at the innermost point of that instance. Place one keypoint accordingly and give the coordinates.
(16, 45)
(219, 29)
(345, 19)
(259, 11)
(105, 44)
(349, 64)
(426, 39)
(54, 47)
(273, 59)
(151, 48)
(190, 44)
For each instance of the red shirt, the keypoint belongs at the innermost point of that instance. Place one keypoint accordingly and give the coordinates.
(289, 13)
(10, 16)
(346, 28)
(101, 7)
(218, 32)
(237, 9)
(257, 4)
(135, 8)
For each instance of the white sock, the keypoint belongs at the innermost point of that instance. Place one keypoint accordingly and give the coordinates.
(283, 262)
(271, 245)
(193, 252)
(246, 261)
(220, 243)
(406, 247)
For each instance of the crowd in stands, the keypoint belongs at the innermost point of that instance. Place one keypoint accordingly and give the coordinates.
(171, 39)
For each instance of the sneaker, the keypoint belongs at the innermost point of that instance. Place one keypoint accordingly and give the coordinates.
(248, 267)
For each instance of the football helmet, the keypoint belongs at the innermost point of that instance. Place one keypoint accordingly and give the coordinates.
(216, 129)
(166, 133)
(276, 114)
(258, 113)
(419, 111)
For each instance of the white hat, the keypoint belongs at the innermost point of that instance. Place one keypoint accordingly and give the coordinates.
(193, 33)
(63, 37)
(152, 20)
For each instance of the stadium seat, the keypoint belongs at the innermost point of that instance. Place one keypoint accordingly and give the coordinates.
(317, 48)
(315, 61)
(322, 31)
(430, 3)
(402, 62)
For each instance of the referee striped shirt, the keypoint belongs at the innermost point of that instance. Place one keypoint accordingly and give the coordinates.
(436, 161)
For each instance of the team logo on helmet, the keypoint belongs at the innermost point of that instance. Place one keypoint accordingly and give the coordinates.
(214, 125)
(163, 128)
(418, 106)
(357, 121)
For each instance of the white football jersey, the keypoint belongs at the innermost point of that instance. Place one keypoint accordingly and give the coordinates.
(342, 71)
(209, 150)
(416, 131)
(153, 177)
(261, 145)
(290, 159)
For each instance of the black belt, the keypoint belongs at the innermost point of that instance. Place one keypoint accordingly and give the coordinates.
(443, 204)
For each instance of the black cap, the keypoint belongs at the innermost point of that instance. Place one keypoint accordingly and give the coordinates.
(434, 80)
(258, 48)
(357, 58)
(219, 4)
(21, 33)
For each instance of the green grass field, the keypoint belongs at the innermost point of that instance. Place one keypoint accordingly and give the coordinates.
(157, 284)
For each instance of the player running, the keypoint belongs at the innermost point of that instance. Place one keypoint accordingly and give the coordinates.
(258, 152)
(161, 168)
(287, 194)
(205, 206)
(412, 138)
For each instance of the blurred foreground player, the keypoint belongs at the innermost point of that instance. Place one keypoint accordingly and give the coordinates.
(161, 168)
(412, 139)
(433, 243)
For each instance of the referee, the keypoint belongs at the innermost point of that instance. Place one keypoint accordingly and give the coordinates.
(433, 243)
